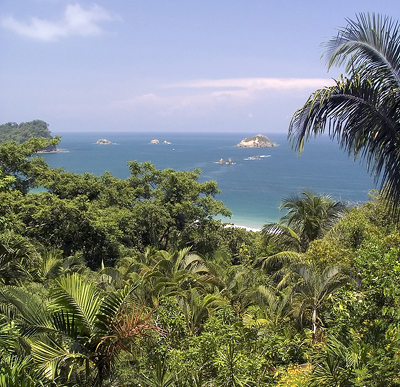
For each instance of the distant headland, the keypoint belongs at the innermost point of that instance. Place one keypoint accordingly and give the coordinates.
(19, 133)
(258, 141)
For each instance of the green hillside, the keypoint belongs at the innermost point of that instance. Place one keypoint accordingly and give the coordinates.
(11, 131)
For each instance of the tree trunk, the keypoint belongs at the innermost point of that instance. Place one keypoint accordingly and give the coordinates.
(315, 325)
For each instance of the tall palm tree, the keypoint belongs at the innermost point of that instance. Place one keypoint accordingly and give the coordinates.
(308, 217)
(361, 111)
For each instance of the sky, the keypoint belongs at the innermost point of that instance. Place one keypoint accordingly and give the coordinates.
(167, 65)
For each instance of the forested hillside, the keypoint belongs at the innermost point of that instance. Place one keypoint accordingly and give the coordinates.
(19, 133)
(110, 282)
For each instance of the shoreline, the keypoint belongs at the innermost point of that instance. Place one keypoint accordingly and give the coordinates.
(53, 151)
(245, 227)
(249, 224)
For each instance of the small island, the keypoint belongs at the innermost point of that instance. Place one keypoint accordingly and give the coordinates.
(155, 141)
(258, 141)
(103, 141)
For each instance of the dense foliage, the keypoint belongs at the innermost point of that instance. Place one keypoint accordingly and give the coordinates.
(19, 133)
(110, 282)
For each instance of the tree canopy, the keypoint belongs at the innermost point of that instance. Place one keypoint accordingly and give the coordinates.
(128, 282)
(19, 133)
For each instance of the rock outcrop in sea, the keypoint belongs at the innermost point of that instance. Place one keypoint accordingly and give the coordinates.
(258, 141)
(155, 141)
(50, 149)
(103, 141)
(222, 161)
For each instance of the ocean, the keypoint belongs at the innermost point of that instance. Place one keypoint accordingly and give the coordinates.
(252, 187)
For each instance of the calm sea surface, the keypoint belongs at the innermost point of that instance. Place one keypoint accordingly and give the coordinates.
(252, 187)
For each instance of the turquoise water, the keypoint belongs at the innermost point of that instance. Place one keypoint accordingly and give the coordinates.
(251, 188)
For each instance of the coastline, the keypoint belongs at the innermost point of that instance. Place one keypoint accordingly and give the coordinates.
(250, 224)
(53, 151)
(245, 227)
(252, 188)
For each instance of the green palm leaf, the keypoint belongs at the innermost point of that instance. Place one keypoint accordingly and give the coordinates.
(112, 305)
(370, 41)
(32, 312)
(279, 233)
(7, 337)
(80, 298)
(16, 372)
(48, 353)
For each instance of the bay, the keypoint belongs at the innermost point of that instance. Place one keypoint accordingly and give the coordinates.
(252, 187)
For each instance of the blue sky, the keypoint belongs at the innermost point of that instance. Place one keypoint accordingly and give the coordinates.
(167, 65)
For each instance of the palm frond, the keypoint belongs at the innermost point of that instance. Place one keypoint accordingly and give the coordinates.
(282, 235)
(78, 297)
(33, 316)
(372, 41)
(15, 372)
(48, 353)
(8, 337)
(365, 124)
(113, 303)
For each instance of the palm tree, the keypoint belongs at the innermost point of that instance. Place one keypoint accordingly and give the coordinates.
(80, 332)
(54, 265)
(274, 305)
(313, 288)
(236, 283)
(197, 308)
(309, 216)
(174, 273)
(361, 111)
(335, 364)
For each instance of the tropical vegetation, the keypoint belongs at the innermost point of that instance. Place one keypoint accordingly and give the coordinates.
(110, 282)
(125, 283)
(11, 131)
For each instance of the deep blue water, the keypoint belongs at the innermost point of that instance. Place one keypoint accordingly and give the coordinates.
(252, 189)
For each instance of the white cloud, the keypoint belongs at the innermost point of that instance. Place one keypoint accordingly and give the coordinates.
(76, 21)
(232, 102)
(207, 95)
(256, 83)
